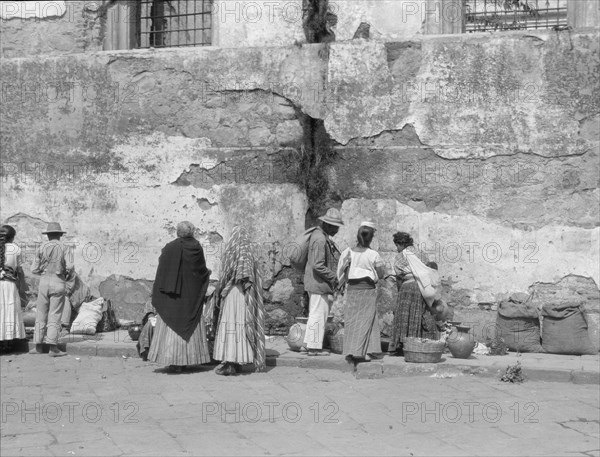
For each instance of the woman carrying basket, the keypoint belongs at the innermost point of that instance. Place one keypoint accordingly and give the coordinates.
(412, 317)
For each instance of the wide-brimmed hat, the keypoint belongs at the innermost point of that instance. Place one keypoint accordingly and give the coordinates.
(53, 227)
(368, 224)
(332, 217)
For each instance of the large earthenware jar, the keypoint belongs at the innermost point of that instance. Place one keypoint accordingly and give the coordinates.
(461, 343)
(29, 318)
(295, 337)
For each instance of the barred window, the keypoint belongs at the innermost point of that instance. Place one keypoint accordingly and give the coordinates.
(172, 23)
(500, 15)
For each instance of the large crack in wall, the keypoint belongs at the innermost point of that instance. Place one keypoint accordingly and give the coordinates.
(254, 154)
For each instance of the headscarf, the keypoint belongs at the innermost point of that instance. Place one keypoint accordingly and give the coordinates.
(240, 266)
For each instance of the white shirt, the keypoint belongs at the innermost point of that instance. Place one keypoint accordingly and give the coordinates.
(12, 255)
(364, 263)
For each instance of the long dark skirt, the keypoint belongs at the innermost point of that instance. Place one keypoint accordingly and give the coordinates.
(411, 317)
(361, 324)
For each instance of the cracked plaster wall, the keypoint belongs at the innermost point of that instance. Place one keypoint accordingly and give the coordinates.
(121, 167)
(486, 148)
(174, 142)
(43, 28)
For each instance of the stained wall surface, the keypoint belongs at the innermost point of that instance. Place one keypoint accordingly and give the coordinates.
(484, 147)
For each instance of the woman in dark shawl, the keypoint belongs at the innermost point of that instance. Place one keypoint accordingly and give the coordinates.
(178, 296)
(240, 336)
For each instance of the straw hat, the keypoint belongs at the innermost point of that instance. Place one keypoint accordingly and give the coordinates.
(368, 224)
(332, 217)
(53, 227)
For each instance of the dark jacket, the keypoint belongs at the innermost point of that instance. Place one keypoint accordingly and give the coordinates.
(320, 274)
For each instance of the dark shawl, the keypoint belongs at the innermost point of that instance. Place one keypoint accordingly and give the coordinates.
(180, 285)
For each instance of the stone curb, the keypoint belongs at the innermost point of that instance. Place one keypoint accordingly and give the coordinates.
(379, 369)
(373, 370)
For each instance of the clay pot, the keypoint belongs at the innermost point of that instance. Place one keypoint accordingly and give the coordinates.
(29, 318)
(461, 343)
(295, 337)
(134, 332)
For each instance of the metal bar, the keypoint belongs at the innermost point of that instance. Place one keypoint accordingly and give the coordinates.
(180, 15)
(185, 30)
(164, 24)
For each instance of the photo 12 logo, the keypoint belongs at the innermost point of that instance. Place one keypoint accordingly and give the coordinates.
(71, 91)
(468, 411)
(70, 411)
(269, 411)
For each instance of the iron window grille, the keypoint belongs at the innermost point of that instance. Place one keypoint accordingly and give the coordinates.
(501, 15)
(174, 23)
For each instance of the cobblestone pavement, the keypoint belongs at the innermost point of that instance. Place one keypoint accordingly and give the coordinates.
(116, 406)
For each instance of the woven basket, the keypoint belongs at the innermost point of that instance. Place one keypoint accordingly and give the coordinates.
(417, 351)
(336, 342)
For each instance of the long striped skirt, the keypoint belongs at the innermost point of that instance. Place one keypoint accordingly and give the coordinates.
(411, 317)
(361, 324)
(11, 320)
(231, 341)
(168, 348)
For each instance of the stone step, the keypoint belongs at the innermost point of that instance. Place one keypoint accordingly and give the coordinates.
(536, 367)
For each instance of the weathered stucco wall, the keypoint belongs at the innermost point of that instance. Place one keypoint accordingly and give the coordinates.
(389, 20)
(121, 146)
(43, 28)
(485, 148)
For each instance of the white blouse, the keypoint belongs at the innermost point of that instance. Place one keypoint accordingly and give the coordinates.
(12, 255)
(364, 263)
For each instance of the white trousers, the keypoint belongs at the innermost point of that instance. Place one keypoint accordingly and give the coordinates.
(318, 311)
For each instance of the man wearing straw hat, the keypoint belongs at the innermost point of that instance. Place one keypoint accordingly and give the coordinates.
(320, 278)
(55, 264)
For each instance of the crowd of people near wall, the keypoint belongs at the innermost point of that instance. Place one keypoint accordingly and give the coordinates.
(184, 319)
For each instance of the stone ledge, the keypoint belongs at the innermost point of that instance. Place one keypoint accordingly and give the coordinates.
(536, 367)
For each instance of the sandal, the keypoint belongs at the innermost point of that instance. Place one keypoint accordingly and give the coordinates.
(227, 369)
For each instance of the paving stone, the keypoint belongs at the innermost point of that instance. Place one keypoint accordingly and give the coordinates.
(27, 451)
(141, 438)
(229, 442)
(371, 370)
(104, 447)
(585, 377)
(408, 369)
(548, 375)
(367, 408)
(22, 440)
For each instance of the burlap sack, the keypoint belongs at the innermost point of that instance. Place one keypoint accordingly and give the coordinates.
(565, 331)
(519, 326)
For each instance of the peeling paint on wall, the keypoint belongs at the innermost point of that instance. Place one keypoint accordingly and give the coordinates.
(153, 140)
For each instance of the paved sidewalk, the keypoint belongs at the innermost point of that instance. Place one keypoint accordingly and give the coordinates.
(542, 367)
(111, 406)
